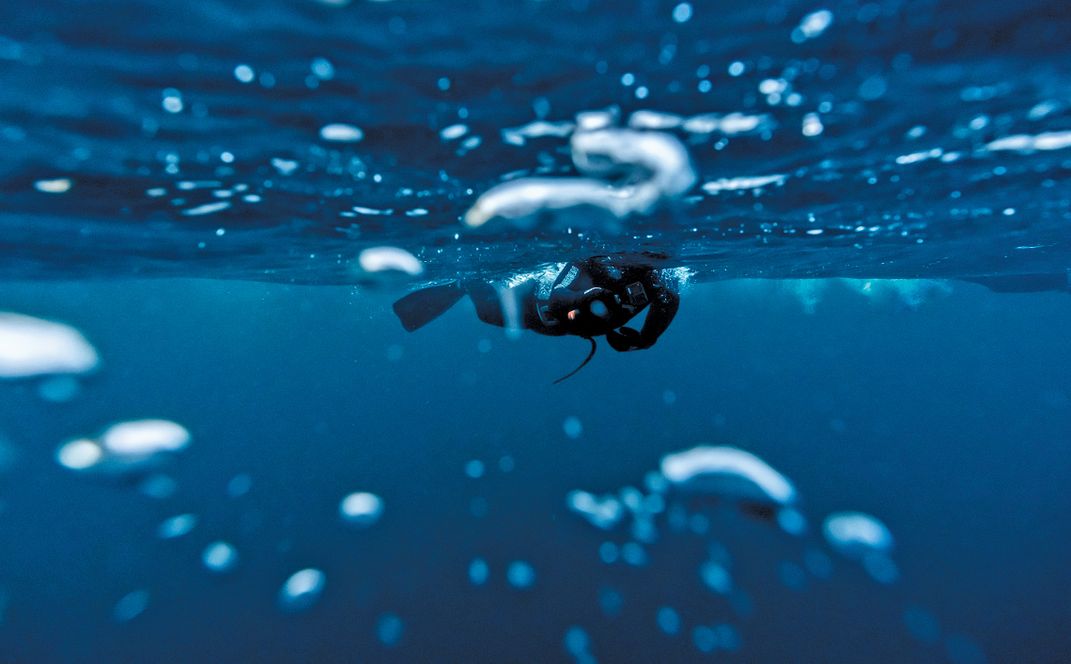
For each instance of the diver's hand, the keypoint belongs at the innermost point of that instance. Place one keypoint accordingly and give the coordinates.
(625, 339)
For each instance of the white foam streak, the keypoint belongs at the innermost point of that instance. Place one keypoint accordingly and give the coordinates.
(537, 129)
(144, 438)
(207, 208)
(56, 186)
(659, 158)
(730, 124)
(645, 119)
(744, 182)
(341, 133)
(387, 259)
(519, 200)
(1052, 140)
(727, 471)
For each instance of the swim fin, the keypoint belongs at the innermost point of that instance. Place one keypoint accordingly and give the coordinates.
(420, 307)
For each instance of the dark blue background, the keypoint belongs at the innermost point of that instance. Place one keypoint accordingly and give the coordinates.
(952, 425)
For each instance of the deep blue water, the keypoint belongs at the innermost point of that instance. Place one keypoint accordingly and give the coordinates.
(191, 185)
(948, 422)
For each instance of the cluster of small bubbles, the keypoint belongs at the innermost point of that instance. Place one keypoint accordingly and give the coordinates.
(603, 512)
(126, 447)
(284, 166)
(520, 574)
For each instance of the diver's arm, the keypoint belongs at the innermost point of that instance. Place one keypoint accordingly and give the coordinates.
(664, 304)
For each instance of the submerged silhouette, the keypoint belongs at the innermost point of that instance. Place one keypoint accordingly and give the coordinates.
(595, 297)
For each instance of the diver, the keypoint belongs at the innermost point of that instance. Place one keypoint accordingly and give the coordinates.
(589, 298)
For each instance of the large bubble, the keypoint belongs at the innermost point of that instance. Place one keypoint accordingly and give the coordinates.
(35, 347)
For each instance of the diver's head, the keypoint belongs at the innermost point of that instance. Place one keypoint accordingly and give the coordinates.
(594, 307)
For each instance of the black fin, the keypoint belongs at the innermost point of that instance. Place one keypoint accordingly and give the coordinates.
(419, 308)
(582, 364)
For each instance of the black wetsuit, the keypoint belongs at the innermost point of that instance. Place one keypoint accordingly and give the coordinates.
(587, 299)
